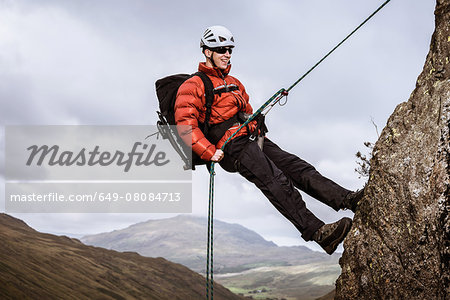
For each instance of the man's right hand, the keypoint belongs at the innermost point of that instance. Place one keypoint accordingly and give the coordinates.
(217, 156)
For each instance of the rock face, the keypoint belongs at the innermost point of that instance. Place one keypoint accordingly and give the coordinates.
(399, 245)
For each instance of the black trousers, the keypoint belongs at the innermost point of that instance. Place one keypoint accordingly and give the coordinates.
(277, 174)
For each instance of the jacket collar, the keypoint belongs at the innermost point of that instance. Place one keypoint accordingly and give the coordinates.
(202, 67)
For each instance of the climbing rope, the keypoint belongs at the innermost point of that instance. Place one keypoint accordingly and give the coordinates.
(209, 251)
(264, 109)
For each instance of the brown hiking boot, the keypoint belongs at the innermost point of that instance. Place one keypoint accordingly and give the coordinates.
(352, 199)
(329, 236)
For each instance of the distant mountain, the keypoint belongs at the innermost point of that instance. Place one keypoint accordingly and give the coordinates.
(35, 265)
(182, 239)
(243, 261)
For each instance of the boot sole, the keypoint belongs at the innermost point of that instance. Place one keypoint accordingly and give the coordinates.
(344, 227)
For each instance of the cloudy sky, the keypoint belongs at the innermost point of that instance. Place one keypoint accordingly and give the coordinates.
(95, 63)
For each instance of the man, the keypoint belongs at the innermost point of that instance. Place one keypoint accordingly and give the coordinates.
(274, 171)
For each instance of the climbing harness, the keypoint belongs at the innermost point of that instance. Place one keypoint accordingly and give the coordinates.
(263, 110)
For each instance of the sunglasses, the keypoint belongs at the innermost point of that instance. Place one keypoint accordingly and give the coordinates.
(222, 50)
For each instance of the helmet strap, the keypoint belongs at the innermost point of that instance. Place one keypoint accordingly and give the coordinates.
(212, 59)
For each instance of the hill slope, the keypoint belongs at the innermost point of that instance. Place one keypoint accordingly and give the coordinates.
(34, 265)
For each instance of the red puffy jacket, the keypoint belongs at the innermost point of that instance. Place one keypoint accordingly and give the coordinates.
(190, 108)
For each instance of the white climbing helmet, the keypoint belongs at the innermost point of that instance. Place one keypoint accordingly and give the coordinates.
(217, 36)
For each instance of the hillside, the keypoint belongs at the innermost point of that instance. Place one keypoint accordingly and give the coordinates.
(243, 260)
(399, 246)
(34, 265)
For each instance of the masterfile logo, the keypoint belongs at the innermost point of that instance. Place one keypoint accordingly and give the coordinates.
(85, 157)
(79, 169)
(90, 153)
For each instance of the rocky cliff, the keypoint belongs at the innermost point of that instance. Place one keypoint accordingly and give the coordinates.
(398, 247)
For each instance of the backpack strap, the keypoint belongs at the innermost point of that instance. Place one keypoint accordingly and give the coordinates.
(209, 97)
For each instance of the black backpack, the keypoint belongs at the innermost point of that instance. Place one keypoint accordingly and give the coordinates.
(166, 91)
